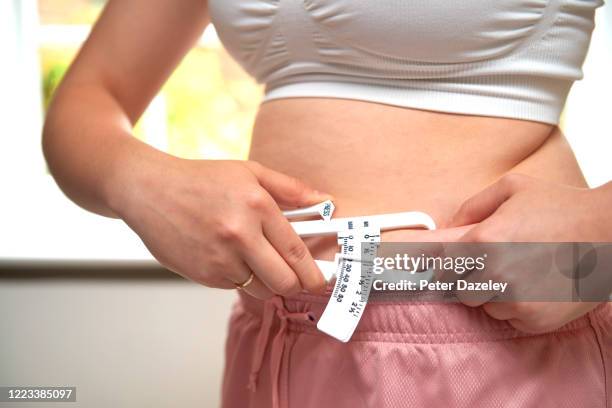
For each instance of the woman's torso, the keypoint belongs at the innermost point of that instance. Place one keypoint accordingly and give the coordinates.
(376, 158)
(355, 91)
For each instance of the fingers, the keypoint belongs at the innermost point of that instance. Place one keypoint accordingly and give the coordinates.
(500, 310)
(485, 203)
(540, 317)
(271, 268)
(294, 251)
(269, 246)
(241, 273)
(286, 191)
(250, 246)
(509, 312)
(276, 253)
(227, 272)
(533, 317)
(475, 299)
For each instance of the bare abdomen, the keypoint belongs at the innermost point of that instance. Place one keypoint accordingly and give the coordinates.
(377, 158)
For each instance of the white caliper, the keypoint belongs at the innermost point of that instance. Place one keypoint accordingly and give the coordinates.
(352, 267)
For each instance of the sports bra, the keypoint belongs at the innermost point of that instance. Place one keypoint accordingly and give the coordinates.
(504, 58)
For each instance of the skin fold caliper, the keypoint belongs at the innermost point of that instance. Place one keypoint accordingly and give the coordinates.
(358, 238)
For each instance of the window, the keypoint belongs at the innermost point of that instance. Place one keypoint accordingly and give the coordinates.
(205, 110)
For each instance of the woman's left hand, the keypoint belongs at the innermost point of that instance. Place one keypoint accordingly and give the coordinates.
(519, 208)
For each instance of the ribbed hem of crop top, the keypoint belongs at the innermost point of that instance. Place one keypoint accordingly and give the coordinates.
(480, 97)
(514, 59)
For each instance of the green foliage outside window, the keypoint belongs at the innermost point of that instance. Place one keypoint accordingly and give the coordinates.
(210, 102)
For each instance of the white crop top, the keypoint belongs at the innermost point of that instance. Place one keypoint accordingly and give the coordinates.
(506, 58)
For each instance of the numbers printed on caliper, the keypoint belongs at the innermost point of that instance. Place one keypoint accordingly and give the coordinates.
(353, 283)
(342, 292)
(359, 238)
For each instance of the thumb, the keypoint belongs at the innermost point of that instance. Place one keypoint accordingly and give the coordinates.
(485, 203)
(286, 190)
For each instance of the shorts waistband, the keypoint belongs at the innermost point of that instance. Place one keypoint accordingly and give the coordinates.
(414, 322)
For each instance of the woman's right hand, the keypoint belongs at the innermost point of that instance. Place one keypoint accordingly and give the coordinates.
(215, 222)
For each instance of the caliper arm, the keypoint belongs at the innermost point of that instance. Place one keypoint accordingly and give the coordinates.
(329, 226)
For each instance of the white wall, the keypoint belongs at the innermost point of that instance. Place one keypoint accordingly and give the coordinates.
(122, 343)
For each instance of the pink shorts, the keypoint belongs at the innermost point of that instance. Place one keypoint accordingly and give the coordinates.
(412, 355)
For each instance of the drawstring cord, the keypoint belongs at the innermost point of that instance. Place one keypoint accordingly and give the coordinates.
(274, 306)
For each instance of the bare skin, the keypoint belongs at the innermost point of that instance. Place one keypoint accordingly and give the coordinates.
(215, 222)
(408, 159)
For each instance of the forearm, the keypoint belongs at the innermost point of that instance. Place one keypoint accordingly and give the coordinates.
(90, 150)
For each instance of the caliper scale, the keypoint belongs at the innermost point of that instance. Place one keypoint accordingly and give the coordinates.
(352, 267)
